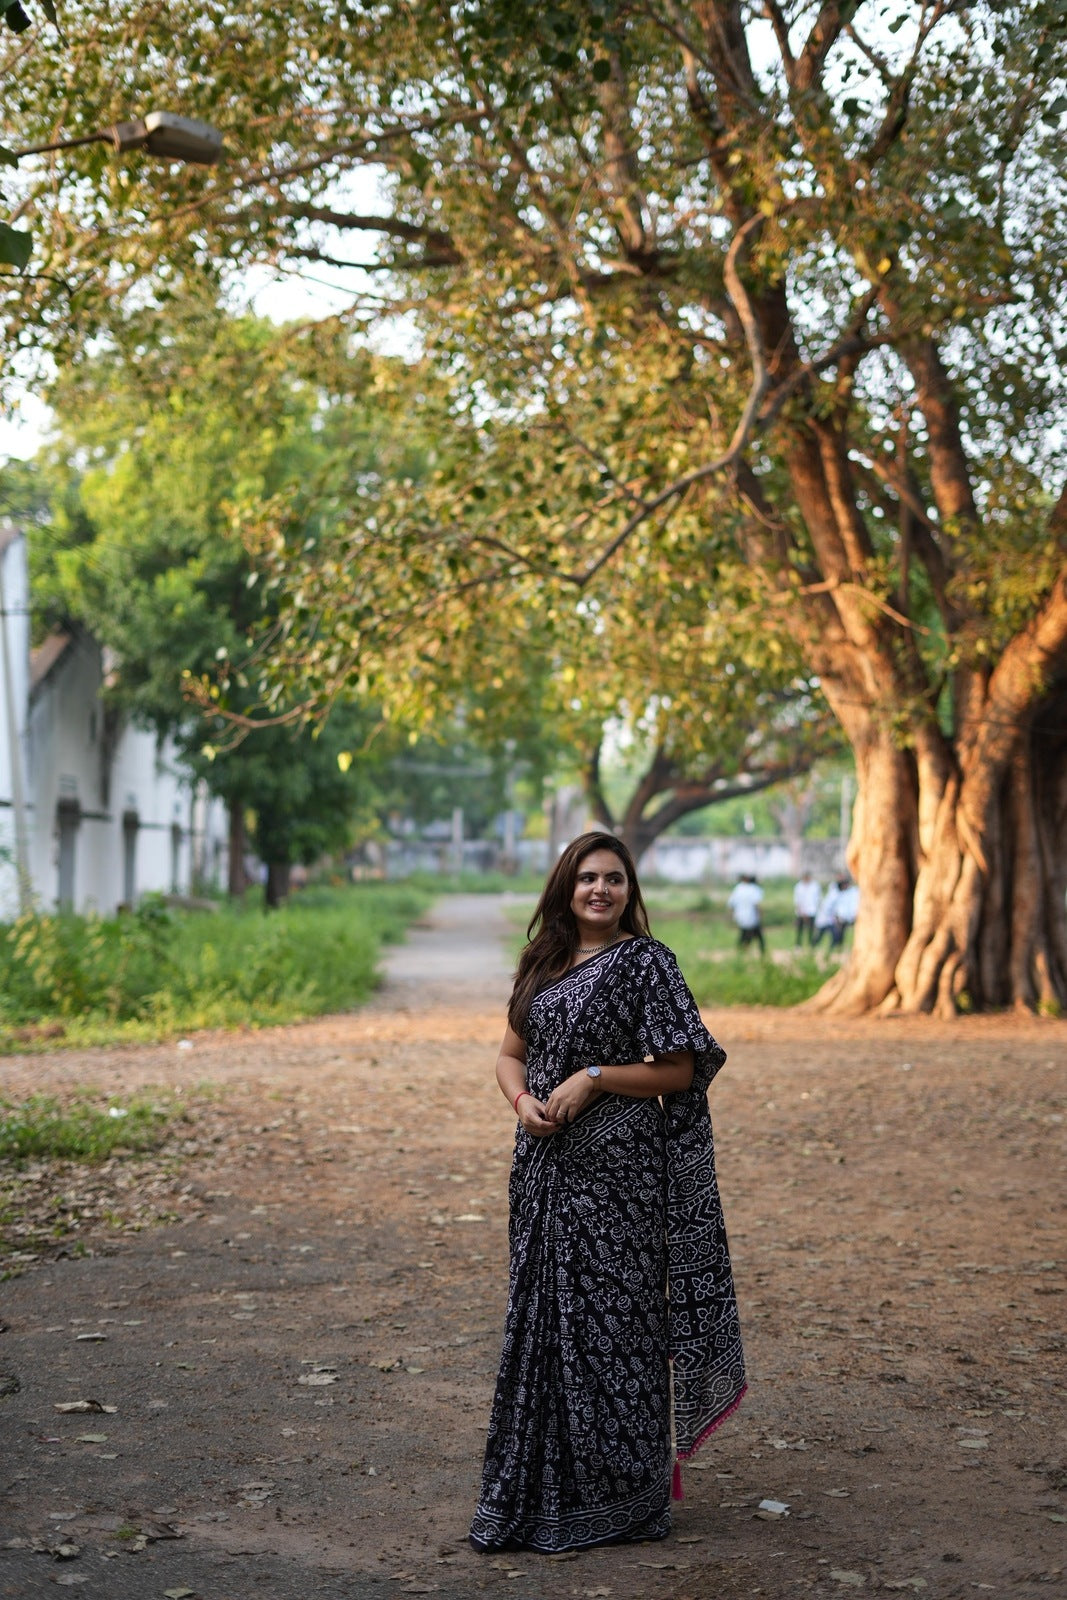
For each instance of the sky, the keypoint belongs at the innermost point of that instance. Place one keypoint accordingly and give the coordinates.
(280, 296)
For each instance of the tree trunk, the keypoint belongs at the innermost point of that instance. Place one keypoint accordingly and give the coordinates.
(237, 879)
(962, 868)
(277, 885)
(882, 859)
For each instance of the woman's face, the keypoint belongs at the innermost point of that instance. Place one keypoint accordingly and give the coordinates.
(601, 891)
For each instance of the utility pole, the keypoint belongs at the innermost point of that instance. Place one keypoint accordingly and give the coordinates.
(14, 740)
(845, 822)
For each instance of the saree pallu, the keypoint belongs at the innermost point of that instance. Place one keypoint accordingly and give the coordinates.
(620, 1274)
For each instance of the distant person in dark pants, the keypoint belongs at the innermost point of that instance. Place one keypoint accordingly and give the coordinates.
(848, 904)
(744, 903)
(806, 897)
(827, 919)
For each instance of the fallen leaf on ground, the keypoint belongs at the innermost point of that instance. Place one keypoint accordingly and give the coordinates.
(90, 1438)
(904, 1583)
(180, 1594)
(83, 1405)
(854, 1580)
(316, 1380)
(770, 1508)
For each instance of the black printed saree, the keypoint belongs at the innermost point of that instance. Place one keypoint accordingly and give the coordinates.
(604, 1215)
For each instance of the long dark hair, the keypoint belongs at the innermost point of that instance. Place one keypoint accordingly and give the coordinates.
(553, 931)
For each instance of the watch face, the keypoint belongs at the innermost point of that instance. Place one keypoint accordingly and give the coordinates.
(593, 1072)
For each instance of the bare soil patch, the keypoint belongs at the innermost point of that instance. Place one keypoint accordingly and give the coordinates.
(301, 1364)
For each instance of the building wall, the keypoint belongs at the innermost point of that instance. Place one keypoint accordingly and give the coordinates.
(110, 811)
(722, 860)
(15, 626)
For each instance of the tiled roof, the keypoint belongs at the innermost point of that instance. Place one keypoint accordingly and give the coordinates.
(44, 658)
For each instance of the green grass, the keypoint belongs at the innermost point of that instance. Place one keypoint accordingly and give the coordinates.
(84, 980)
(700, 931)
(434, 884)
(694, 922)
(42, 1128)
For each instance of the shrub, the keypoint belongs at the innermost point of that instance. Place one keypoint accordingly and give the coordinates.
(159, 971)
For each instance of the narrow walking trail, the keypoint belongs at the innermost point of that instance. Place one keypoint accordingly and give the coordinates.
(296, 1368)
(457, 954)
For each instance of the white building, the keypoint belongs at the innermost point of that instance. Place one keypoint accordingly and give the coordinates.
(107, 811)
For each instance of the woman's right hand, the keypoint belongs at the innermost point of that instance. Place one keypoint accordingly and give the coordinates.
(531, 1113)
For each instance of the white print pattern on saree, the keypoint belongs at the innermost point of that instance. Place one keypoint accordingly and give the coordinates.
(579, 1447)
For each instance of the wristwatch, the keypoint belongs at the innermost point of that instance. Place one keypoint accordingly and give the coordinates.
(592, 1072)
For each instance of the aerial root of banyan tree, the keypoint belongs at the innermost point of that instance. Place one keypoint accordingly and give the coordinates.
(975, 920)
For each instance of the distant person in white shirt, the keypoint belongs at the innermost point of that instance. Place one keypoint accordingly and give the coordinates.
(826, 921)
(848, 904)
(806, 897)
(744, 903)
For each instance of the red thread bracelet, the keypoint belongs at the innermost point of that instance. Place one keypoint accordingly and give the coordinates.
(518, 1097)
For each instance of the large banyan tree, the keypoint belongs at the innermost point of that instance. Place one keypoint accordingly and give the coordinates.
(762, 299)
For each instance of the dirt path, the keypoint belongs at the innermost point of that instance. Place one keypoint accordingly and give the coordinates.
(301, 1366)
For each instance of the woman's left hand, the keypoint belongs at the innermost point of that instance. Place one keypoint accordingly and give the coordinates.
(571, 1097)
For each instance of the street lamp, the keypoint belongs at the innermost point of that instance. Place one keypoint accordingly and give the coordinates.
(161, 133)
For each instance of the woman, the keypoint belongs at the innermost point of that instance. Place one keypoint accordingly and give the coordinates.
(613, 1196)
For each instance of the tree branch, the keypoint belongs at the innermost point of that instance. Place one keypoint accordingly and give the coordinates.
(594, 789)
(742, 303)
(774, 14)
(413, 232)
(832, 20)
(950, 473)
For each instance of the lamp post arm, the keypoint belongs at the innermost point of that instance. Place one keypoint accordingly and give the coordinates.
(102, 136)
(160, 133)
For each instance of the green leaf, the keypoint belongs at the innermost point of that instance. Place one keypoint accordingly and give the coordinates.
(15, 245)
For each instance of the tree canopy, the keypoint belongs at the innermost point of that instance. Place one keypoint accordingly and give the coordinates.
(154, 456)
(755, 301)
